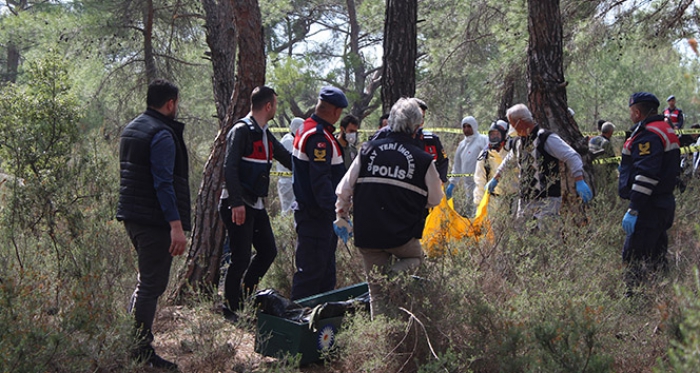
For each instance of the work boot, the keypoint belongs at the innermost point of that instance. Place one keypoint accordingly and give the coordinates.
(229, 315)
(156, 361)
(146, 355)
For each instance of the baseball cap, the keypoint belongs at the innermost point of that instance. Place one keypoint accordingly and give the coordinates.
(333, 96)
(671, 97)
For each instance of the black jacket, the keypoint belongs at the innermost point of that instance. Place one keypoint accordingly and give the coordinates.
(246, 168)
(138, 201)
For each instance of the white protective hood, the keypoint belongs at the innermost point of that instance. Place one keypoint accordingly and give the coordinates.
(468, 151)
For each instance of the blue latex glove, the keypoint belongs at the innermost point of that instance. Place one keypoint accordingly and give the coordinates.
(491, 185)
(343, 229)
(584, 191)
(628, 222)
(449, 190)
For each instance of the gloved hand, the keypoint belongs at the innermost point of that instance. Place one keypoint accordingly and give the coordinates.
(449, 190)
(628, 222)
(343, 229)
(491, 185)
(584, 191)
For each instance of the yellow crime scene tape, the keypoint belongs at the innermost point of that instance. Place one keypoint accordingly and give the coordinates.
(684, 150)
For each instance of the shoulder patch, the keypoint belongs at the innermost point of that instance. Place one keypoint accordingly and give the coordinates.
(319, 155)
(645, 148)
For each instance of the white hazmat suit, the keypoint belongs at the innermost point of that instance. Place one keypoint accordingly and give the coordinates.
(465, 158)
(284, 183)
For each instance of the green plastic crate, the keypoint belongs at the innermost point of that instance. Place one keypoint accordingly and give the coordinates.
(278, 337)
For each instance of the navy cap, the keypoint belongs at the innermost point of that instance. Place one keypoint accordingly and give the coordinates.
(643, 97)
(333, 96)
(671, 97)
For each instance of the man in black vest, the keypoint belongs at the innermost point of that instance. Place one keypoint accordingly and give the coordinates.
(250, 148)
(390, 184)
(154, 204)
(538, 153)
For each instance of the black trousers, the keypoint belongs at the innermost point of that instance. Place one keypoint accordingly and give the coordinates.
(154, 260)
(255, 232)
(315, 255)
(645, 249)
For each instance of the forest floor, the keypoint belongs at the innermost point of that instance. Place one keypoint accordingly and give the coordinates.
(174, 338)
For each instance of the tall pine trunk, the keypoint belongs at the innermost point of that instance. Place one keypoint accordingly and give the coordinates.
(204, 256)
(400, 51)
(148, 55)
(546, 84)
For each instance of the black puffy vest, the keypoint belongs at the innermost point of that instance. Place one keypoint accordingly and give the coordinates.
(137, 197)
(390, 194)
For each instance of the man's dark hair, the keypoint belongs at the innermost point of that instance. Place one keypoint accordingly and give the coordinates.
(160, 91)
(647, 108)
(261, 96)
(382, 118)
(349, 119)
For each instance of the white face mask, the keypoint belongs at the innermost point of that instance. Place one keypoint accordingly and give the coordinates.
(351, 138)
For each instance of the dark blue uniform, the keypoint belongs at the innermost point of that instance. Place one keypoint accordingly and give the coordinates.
(318, 167)
(648, 175)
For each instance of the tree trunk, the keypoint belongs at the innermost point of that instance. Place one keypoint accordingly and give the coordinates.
(400, 50)
(12, 63)
(148, 56)
(207, 237)
(354, 57)
(13, 51)
(513, 73)
(221, 39)
(546, 85)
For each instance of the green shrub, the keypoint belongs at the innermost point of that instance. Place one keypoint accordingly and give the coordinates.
(683, 355)
(63, 283)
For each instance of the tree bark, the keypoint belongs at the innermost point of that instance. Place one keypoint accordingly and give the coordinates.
(508, 91)
(13, 52)
(355, 58)
(221, 39)
(13, 57)
(546, 84)
(400, 50)
(148, 55)
(545, 69)
(207, 237)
